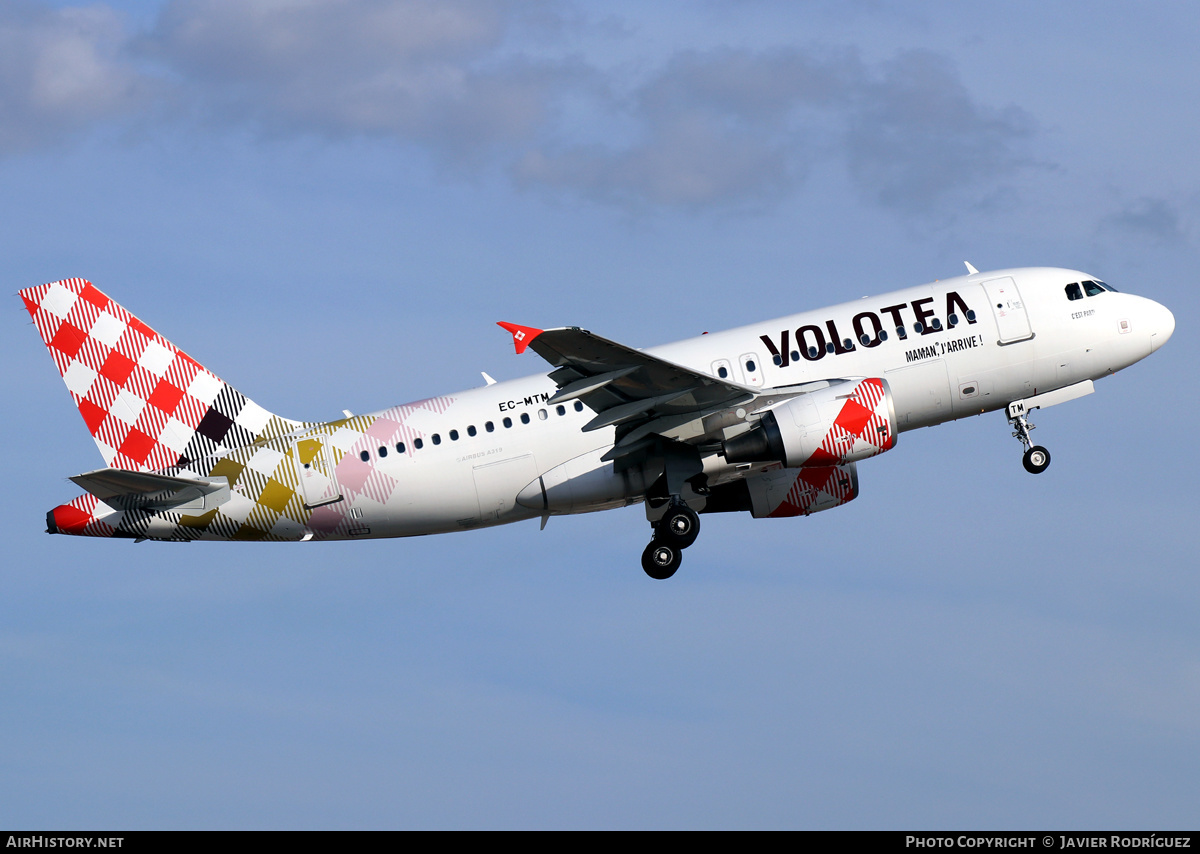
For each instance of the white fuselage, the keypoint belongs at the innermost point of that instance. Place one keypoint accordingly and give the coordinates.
(1015, 334)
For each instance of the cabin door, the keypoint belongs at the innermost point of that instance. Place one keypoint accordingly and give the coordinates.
(1008, 309)
(314, 466)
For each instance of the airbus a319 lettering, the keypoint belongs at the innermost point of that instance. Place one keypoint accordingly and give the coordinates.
(771, 419)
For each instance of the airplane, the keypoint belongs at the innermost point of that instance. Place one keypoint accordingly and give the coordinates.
(770, 419)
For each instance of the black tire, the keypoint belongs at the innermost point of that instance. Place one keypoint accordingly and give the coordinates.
(661, 559)
(1036, 459)
(680, 525)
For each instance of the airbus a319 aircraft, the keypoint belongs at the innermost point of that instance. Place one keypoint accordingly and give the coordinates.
(770, 419)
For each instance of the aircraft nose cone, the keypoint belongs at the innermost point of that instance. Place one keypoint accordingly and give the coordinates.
(1162, 325)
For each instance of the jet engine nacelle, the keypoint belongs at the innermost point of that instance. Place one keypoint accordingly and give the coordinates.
(801, 492)
(846, 422)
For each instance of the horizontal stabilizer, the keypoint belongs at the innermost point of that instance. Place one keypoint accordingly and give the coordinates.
(135, 490)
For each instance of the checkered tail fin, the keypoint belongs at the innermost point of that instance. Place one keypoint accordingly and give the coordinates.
(148, 405)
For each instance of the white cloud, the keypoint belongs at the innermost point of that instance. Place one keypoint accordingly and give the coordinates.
(915, 134)
(1150, 218)
(61, 70)
(429, 71)
(739, 126)
(459, 79)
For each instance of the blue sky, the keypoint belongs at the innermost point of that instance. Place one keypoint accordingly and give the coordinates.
(330, 203)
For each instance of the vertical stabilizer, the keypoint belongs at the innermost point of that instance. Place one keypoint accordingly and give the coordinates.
(148, 405)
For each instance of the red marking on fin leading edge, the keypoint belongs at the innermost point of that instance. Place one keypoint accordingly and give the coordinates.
(148, 405)
(522, 335)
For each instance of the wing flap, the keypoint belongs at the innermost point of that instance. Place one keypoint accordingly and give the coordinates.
(635, 408)
(585, 385)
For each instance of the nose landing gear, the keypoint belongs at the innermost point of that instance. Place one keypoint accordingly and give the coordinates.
(1036, 458)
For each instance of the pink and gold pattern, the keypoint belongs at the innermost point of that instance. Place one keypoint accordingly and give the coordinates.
(151, 407)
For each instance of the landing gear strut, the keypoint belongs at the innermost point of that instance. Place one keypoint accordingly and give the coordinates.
(678, 526)
(1036, 458)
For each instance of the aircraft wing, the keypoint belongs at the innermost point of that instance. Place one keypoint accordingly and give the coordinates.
(626, 388)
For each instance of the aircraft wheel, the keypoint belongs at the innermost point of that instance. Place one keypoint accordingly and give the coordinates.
(661, 559)
(680, 524)
(1036, 459)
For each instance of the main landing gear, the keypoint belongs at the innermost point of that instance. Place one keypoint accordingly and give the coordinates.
(1036, 458)
(674, 532)
(676, 527)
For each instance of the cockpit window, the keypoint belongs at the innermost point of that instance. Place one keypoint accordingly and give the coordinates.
(1092, 288)
(1073, 291)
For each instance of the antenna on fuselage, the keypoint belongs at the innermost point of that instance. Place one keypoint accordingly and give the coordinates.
(970, 269)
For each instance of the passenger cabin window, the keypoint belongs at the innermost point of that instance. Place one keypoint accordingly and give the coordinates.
(579, 406)
(749, 363)
(471, 431)
(437, 438)
(560, 409)
(383, 450)
(1074, 292)
(453, 435)
(507, 421)
(489, 426)
(418, 443)
(524, 417)
(399, 447)
(365, 456)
